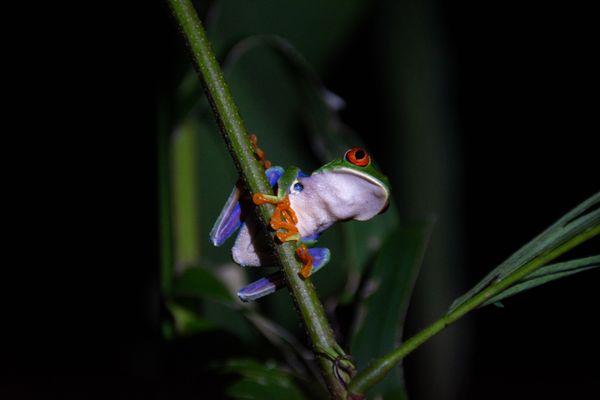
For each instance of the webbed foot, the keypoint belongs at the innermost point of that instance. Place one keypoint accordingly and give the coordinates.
(264, 286)
(304, 256)
(260, 154)
(283, 217)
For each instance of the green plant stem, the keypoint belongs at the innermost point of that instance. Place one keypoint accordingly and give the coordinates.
(377, 370)
(252, 174)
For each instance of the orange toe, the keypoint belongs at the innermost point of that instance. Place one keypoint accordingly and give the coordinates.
(306, 258)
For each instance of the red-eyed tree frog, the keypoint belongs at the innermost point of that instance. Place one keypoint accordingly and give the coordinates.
(341, 190)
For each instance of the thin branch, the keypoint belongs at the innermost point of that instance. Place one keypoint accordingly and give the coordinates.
(375, 372)
(235, 136)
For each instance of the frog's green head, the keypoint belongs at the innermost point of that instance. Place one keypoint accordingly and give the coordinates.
(356, 175)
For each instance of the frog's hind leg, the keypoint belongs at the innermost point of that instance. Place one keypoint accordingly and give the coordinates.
(262, 287)
(271, 283)
(313, 259)
(231, 217)
(320, 257)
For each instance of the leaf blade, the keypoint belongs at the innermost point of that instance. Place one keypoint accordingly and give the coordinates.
(547, 274)
(188, 322)
(566, 227)
(380, 331)
(265, 381)
(200, 282)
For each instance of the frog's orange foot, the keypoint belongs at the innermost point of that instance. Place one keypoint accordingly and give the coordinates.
(283, 217)
(306, 258)
(260, 154)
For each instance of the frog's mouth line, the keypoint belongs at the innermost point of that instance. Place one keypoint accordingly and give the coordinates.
(374, 181)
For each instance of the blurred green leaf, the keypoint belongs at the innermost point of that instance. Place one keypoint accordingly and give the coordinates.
(394, 273)
(264, 382)
(188, 322)
(184, 171)
(547, 274)
(329, 22)
(571, 224)
(200, 282)
(216, 177)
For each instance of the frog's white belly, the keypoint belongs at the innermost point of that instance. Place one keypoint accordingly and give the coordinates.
(312, 219)
(325, 199)
(334, 196)
(250, 248)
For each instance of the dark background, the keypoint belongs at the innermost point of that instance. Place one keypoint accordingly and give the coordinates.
(520, 95)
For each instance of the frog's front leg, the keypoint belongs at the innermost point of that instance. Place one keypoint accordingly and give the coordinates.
(283, 217)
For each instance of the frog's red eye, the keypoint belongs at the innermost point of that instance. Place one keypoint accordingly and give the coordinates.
(358, 156)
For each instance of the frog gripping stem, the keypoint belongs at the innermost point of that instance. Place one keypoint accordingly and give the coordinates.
(260, 154)
(306, 258)
(283, 217)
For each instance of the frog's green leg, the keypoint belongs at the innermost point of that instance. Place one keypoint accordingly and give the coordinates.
(260, 198)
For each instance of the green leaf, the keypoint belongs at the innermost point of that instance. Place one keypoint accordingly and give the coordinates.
(571, 224)
(187, 322)
(265, 382)
(186, 207)
(547, 274)
(394, 273)
(200, 282)
(319, 106)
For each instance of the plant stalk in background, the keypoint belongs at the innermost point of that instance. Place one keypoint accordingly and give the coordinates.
(252, 174)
